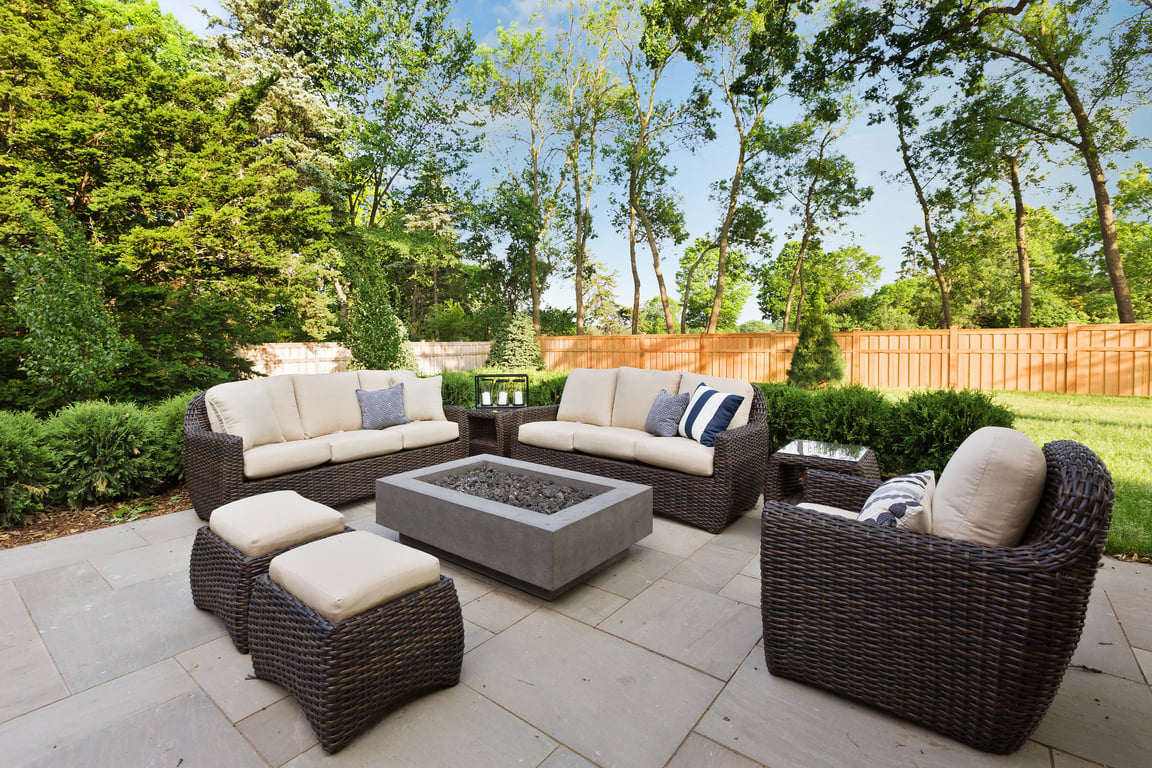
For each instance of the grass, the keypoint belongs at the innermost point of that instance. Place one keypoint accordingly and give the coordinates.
(1119, 430)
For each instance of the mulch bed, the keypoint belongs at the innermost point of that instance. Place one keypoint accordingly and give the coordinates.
(65, 522)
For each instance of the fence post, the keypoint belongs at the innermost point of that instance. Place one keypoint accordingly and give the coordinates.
(953, 357)
(854, 375)
(1071, 386)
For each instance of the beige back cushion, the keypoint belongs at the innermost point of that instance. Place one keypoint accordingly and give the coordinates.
(588, 397)
(327, 402)
(990, 488)
(243, 408)
(283, 397)
(689, 382)
(423, 398)
(636, 390)
(372, 380)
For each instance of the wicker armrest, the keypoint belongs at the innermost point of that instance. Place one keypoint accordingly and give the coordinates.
(743, 446)
(458, 414)
(837, 490)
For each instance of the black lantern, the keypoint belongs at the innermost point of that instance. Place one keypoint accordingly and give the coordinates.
(501, 390)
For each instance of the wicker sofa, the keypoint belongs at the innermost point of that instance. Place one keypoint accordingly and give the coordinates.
(303, 433)
(599, 427)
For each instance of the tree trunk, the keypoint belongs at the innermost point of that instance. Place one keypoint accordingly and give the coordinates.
(1021, 244)
(725, 228)
(929, 233)
(633, 209)
(669, 321)
(578, 275)
(797, 271)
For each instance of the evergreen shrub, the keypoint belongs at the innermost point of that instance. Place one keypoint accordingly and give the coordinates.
(927, 427)
(24, 467)
(817, 361)
(458, 388)
(515, 347)
(850, 414)
(169, 453)
(102, 452)
(788, 410)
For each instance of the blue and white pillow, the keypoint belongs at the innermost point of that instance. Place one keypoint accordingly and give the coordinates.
(709, 411)
(380, 408)
(665, 414)
(904, 502)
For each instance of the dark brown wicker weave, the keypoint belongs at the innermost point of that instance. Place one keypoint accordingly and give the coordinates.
(710, 503)
(222, 578)
(491, 431)
(785, 470)
(346, 675)
(968, 640)
(214, 466)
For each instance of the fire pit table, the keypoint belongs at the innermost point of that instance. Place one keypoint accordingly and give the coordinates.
(542, 554)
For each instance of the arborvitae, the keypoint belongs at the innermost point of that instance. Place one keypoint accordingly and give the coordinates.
(515, 346)
(817, 360)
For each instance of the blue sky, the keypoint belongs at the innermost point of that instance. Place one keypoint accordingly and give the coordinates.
(881, 229)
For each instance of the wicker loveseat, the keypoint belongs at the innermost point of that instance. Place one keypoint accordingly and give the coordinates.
(967, 639)
(599, 428)
(303, 433)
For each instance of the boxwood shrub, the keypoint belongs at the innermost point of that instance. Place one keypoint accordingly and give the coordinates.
(24, 467)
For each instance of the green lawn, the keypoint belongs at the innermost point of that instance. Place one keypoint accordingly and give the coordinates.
(1119, 430)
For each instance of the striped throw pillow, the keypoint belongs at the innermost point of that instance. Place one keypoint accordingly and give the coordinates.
(709, 411)
(903, 502)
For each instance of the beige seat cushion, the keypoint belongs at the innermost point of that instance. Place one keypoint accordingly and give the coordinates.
(423, 398)
(345, 575)
(418, 434)
(679, 453)
(557, 435)
(611, 442)
(279, 458)
(327, 402)
(636, 390)
(243, 408)
(689, 382)
(990, 488)
(588, 397)
(834, 511)
(363, 443)
(283, 396)
(271, 521)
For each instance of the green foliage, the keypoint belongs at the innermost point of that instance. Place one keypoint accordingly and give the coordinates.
(515, 346)
(817, 360)
(24, 466)
(851, 414)
(546, 387)
(168, 456)
(927, 427)
(755, 326)
(696, 281)
(458, 388)
(788, 409)
(102, 452)
(375, 336)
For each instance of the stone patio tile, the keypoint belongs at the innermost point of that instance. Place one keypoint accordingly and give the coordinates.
(705, 631)
(226, 676)
(743, 588)
(365, 507)
(587, 604)
(785, 724)
(639, 569)
(96, 633)
(604, 698)
(34, 558)
(1144, 658)
(752, 570)
(743, 533)
(132, 566)
(1100, 718)
(280, 732)
(78, 718)
(450, 728)
(674, 538)
(176, 525)
(31, 679)
(710, 568)
(699, 752)
(1102, 644)
(469, 585)
(1065, 760)
(498, 610)
(474, 635)
(1129, 589)
(566, 758)
(186, 731)
(370, 525)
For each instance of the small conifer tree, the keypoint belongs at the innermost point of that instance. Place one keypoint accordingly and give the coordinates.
(515, 346)
(817, 361)
(375, 336)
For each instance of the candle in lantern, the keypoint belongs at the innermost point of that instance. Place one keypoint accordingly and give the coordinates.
(518, 397)
(503, 398)
(486, 398)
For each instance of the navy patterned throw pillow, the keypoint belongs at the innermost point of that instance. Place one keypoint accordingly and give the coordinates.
(664, 416)
(903, 502)
(380, 408)
(709, 411)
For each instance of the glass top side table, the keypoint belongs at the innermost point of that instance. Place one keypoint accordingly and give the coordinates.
(786, 467)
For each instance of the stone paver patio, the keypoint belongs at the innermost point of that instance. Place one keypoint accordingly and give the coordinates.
(654, 662)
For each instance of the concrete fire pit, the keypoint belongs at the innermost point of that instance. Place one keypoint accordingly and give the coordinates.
(544, 555)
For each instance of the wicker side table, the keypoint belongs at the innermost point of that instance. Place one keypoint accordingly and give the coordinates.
(786, 466)
(491, 430)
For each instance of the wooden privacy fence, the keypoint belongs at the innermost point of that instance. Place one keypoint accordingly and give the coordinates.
(432, 357)
(1077, 359)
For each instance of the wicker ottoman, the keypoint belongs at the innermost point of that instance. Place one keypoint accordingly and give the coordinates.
(241, 538)
(353, 626)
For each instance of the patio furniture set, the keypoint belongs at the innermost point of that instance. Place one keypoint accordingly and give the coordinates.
(954, 602)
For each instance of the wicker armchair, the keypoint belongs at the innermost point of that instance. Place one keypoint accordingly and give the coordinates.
(968, 640)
